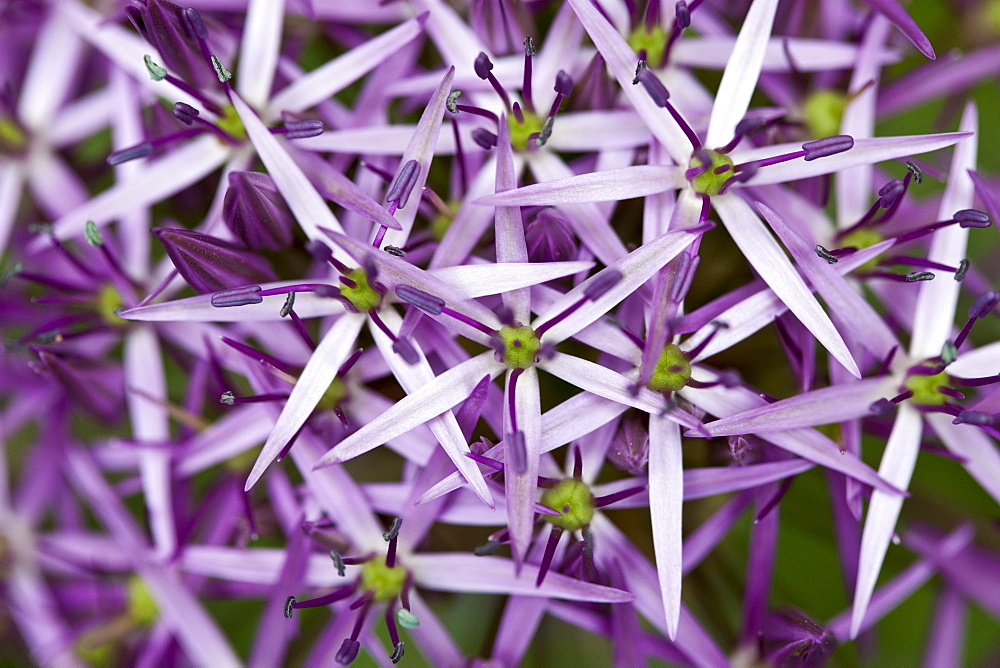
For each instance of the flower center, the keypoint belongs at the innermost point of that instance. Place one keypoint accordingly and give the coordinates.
(652, 42)
(333, 395)
(925, 388)
(229, 121)
(573, 500)
(672, 371)
(712, 180)
(362, 296)
(12, 138)
(520, 133)
(519, 344)
(109, 303)
(823, 111)
(385, 582)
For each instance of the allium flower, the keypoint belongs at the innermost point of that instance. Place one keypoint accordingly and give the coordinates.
(634, 295)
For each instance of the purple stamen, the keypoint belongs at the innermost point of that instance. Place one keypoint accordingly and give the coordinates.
(484, 70)
(972, 218)
(564, 86)
(890, 193)
(424, 301)
(654, 87)
(332, 597)
(131, 153)
(193, 25)
(403, 185)
(348, 652)
(405, 349)
(550, 549)
(517, 452)
(529, 51)
(773, 501)
(468, 321)
(682, 15)
(577, 463)
(484, 138)
(687, 264)
(242, 296)
(977, 382)
(185, 113)
(822, 148)
(826, 255)
(609, 499)
(300, 129)
(976, 418)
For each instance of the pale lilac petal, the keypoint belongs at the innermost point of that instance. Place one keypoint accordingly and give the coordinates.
(896, 468)
(334, 76)
(421, 149)
(827, 405)
(52, 71)
(906, 25)
(11, 181)
(979, 451)
(621, 59)
(894, 592)
(200, 309)
(521, 487)
(636, 268)
(761, 308)
(445, 571)
(970, 364)
(855, 315)
(666, 496)
(510, 243)
(603, 382)
(584, 131)
(445, 392)
(806, 443)
(471, 221)
(334, 348)
(310, 210)
(589, 221)
(444, 427)
(936, 302)
(608, 186)
(576, 417)
(480, 280)
(34, 611)
(232, 434)
(454, 38)
(699, 483)
(769, 260)
(865, 151)
(433, 639)
(854, 185)
(739, 79)
(143, 364)
(378, 140)
(948, 77)
(810, 55)
(259, 50)
(156, 180)
(946, 640)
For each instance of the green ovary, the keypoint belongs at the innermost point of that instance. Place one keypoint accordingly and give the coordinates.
(363, 297)
(672, 371)
(231, 124)
(521, 132)
(333, 395)
(520, 345)
(141, 605)
(571, 498)
(714, 179)
(823, 111)
(653, 42)
(11, 137)
(863, 238)
(924, 388)
(385, 582)
(109, 303)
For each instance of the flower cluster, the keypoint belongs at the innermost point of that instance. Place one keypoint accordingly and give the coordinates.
(490, 332)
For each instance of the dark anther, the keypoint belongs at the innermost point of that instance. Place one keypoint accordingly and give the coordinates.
(92, 234)
(484, 138)
(452, 102)
(485, 550)
(963, 269)
(639, 67)
(949, 353)
(227, 398)
(918, 175)
(403, 185)
(393, 250)
(397, 652)
(529, 49)
(289, 602)
(242, 296)
(393, 531)
(304, 129)
(915, 276)
(985, 303)
(682, 15)
(882, 407)
(424, 301)
(972, 218)
(193, 24)
(405, 349)
(348, 652)
(338, 562)
(826, 255)
(288, 306)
